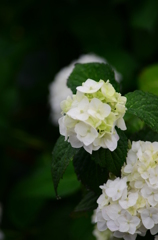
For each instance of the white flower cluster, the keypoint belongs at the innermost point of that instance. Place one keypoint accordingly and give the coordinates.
(58, 90)
(91, 115)
(129, 205)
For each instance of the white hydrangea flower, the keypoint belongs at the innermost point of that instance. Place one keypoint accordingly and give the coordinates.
(58, 90)
(101, 224)
(116, 188)
(128, 200)
(85, 133)
(90, 117)
(127, 222)
(99, 110)
(129, 205)
(149, 217)
(150, 194)
(103, 234)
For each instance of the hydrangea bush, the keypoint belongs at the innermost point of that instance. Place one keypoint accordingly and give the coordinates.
(118, 168)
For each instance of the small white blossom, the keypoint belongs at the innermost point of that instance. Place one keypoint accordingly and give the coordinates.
(150, 194)
(127, 222)
(85, 133)
(149, 217)
(101, 224)
(90, 86)
(128, 200)
(99, 110)
(80, 111)
(111, 212)
(103, 200)
(116, 188)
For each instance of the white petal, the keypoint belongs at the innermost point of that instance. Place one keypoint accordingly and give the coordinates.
(90, 86)
(101, 226)
(75, 143)
(121, 124)
(111, 141)
(110, 192)
(154, 230)
(112, 225)
(148, 223)
(62, 127)
(88, 148)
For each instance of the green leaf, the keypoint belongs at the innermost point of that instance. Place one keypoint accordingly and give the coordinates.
(113, 161)
(63, 153)
(87, 203)
(145, 106)
(99, 157)
(90, 173)
(148, 79)
(133, 124)
(146, 134)
(95, 71)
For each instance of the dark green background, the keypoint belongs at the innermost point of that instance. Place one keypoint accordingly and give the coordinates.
(37, 39)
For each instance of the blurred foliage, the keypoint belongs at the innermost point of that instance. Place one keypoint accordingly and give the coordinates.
(148, 79)
(37, 39)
